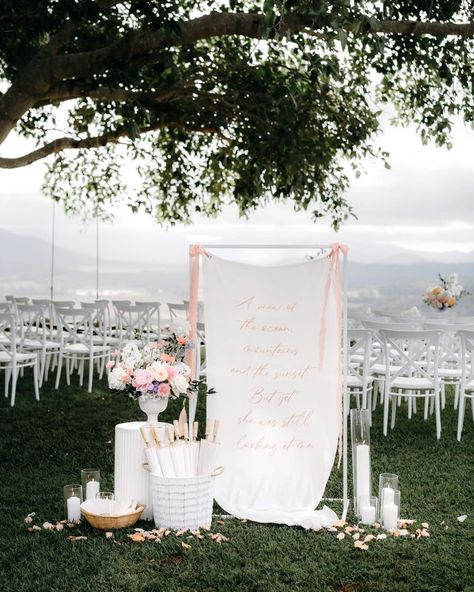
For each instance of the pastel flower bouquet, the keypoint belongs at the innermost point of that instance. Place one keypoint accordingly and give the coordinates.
(445, 295)
(155, 371)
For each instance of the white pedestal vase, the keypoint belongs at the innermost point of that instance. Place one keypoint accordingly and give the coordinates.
(152, 406)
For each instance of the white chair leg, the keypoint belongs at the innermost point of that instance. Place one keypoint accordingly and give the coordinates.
(91, 373)
(14, 381)
(438, 415)
(395, 404)
(410, 404)
(456, 395)
(81, 372)
(425, 412)
(58, 372)
(461, 407)
(68, 371)
(443, 395)
(385, 412)
(36, 380)
(7, 381)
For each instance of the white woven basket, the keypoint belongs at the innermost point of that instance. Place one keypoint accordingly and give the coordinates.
(184, 502)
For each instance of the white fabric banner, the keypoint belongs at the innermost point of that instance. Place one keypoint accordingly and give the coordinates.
(278, 409)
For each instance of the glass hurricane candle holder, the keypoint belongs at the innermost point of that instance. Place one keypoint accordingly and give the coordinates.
(368, 509)
(72, 502)
(360, 437)
(388, 483)
(390, 505)
(107, 502)
(90, 483)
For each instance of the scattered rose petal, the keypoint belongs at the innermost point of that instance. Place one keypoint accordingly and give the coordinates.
(206, 527)
(182, 531)
(28, 520)
(221, 522)
(48, 526)
(332, 529)
(376, 525)
(425, 525)
(356, 536)
(341, 536)
(340, 523)
(403, 532)
(368, 538)
(381, 537)
(462, 518)
(76, 538)
(364, 547)
(348, 529)
(219, 538)
(139, 530)
(357, 544)
(185, 545)
(244, 520)
(137, 537)
(167, 532)
(404, 522)
(158, 539)
(59, 527)
(109, 535)
(34, 528)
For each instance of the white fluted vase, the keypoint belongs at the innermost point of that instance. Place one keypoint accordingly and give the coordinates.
(152, 406)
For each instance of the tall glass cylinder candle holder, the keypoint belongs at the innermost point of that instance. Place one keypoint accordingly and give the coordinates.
(360, 436)
(388, 484)
(72, 502)
(90, 483)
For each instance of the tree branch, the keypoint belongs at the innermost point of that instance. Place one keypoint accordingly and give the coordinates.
(97, 142)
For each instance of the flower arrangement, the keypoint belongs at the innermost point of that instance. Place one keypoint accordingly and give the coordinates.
(157, 370)
(445, 295)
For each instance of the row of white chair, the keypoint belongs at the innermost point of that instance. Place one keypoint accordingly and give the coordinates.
(411, 363)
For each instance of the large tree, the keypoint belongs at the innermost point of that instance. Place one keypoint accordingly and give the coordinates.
(216, 101)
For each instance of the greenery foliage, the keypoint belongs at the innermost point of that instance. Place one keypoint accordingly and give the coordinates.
(236, 101)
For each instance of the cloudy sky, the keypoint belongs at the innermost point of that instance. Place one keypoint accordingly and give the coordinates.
(423, 204)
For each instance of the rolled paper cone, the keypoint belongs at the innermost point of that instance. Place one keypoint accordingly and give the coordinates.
(170, 434)
(207, 457)
(166, 464)
(153, 461)
(194, 453)
(186, 432)
(195, 430)
(177, 430)
(145, 435)
(156, 436)
(209, 428)
(177, 456)
(188, 465)
(217, 425)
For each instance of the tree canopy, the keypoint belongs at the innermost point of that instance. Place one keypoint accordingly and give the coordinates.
(224, 101)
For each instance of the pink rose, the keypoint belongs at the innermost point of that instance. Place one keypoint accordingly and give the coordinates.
(110, 364)
(171, 372)
(164, 389)
(142, 380)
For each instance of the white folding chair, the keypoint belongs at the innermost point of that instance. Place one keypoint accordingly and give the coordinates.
(359, 382)
(77, 344)
(178, 315)
(134, 322)
(34, 335)
(12, 359)
(411, 361)
(154, 320)
(466, 389)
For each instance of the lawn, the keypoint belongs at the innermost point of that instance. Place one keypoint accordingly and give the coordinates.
(45, 444)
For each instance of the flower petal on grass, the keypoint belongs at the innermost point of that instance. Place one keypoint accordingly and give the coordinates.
(137, 537)
(381, 537)
(462, 518)
(34, 528)
(185, 545)
(76, 538)
(341, 536)
(109, 535)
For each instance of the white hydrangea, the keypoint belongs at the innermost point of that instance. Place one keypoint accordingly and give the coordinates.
(116, 376)
(179, 384)
(131, 355)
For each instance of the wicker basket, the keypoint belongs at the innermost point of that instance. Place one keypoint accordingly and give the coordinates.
(112, 522)
(183, 502)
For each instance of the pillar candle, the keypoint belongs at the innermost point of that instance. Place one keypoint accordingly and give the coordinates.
(368, 514)
(73, 509)
(92, 489)
(390, 516)
(362, 470)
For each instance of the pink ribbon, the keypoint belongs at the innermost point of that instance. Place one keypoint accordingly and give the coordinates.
(334, 276)
(194, 252)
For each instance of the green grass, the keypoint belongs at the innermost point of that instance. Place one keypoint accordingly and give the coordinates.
(45, 444)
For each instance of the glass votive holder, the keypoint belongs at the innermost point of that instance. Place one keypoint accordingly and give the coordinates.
(368, 509)
(72, 502)
(90, 479)
(390, 508)
(106, 504)
(388, 483)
